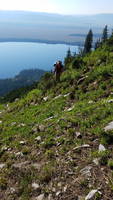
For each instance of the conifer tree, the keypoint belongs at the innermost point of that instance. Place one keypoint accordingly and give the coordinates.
(68, 53)
(88, 42)
(105, 34)
(97, 44)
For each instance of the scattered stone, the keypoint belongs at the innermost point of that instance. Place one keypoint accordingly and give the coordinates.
(69, 109)
(110, 101)
(78, 135)
(19, 154)
(90, 102)
(57, 194)
(23, 142)
(36, 166)
(65, 188)
(59, 184)
(101, 148)
(92, 194)
(38, 139)
(35, 129)
(12, 190)
(2, 165)
(40, 197)
(41, 128)
(21, 165)
(50, 197)
(45, 98)
(109, 126)
(22, 125)
(96, 161)
(81, 198)
(49, 118)
(4, 148)
(86, 171)
(13, 123)
(0, 122)
(83, 146)
(35, 186)
(66, 95)
(17, 99)
(58, 96)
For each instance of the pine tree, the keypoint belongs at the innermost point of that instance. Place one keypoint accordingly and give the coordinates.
(68, 53)
(105, 34)
(97, 44)
(88, 42)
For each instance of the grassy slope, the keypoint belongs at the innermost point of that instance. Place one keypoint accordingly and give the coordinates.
(59, 163)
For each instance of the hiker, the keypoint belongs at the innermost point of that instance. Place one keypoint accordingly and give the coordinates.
(58, 70)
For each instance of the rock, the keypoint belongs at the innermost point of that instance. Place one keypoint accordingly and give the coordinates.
(4, 148)
(45, 98)
(19, 154)
(41, 128)
(23, 142)
(2, 165)
(109, 126)
(22, 125)
(86, 171)
(21, 165)
(65, 188)
(38, 139)
(12, 190)
(110, 101)
(36, 166)
(81, 198)
(0, 122)
(57, 194)
(83, 146)
(35, 129)
(35, 186)
(90, 102)
(91, 194)
(66, 95)
(49, 118)
(58, 96)
(17, 99)
(13, 123)
(78, 135)
(40, 197)
(101, 148)
(96, 161)
(69, 109)
(59, 184)
(50, 197)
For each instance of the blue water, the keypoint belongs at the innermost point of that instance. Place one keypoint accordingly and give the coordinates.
(15, 57)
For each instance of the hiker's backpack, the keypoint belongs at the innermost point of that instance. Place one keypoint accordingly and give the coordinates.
(59, 67)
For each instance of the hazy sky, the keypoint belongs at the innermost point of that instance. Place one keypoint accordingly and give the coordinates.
(60, 6)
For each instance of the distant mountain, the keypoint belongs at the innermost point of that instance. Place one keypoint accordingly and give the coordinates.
(50, 28)
(24, 78)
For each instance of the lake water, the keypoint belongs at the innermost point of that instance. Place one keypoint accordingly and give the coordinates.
(15, 57)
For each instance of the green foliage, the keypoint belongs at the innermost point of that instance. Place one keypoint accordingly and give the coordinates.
(88, 42)
(110, 163)
(105, 34)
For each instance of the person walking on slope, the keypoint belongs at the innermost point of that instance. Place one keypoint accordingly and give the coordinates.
(58, 70)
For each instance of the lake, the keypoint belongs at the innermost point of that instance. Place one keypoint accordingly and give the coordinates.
(16, 56)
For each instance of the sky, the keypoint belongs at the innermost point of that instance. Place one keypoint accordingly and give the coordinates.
(60, 6)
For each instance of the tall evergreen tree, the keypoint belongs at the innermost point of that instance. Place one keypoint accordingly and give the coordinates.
(88, 42)
(105, 34)
(68, 53)
(97, 44)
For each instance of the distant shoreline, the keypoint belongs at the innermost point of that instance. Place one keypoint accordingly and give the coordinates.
(40, 41)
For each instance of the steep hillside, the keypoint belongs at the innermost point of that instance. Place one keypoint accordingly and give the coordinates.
(57, 141)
